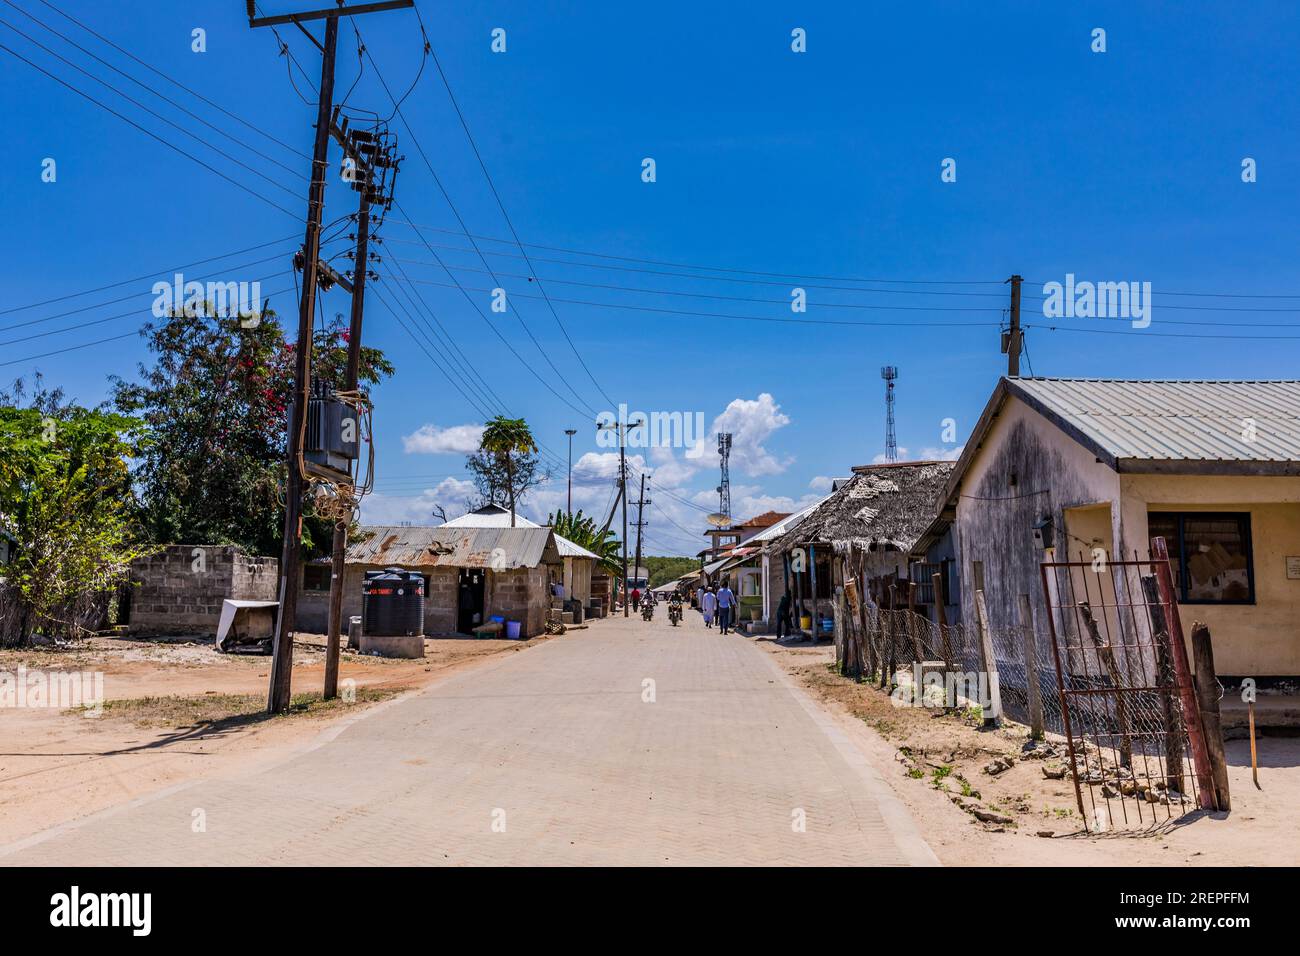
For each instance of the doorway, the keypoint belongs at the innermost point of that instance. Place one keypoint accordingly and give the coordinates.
(469, 599)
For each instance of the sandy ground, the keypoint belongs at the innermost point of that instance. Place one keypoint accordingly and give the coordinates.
(925, 759)
(56, 765)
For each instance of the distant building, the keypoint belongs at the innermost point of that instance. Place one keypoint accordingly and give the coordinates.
(475, 567)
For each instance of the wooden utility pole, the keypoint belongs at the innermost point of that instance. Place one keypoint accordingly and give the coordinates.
(621, 428)
(353, 373)
(622, 477)
(290, 553)
(1014, 337)
(280, 691)
(640, 523)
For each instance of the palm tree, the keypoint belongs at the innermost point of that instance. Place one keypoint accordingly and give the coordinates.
(503, 438)
(582, 531)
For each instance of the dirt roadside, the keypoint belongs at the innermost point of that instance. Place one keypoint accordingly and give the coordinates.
(57, 765)
(936, 765)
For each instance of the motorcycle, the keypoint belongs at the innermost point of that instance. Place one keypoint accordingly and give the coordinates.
(675, 613)
(647, 611)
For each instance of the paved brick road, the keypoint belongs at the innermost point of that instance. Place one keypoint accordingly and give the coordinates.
(557, 744)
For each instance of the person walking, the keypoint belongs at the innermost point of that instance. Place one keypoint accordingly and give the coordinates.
(726, 609)
(708, 604)
(636, 599)
(784, 625)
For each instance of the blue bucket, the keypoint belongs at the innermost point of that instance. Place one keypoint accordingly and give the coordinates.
(512, 630)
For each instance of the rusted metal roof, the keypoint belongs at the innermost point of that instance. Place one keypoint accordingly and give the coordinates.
(1143, 421)
(493, 516)
(497, 549)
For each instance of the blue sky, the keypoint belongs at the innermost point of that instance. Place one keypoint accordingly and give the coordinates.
(1117, 166)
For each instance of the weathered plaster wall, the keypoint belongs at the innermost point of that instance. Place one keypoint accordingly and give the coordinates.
(1256, 640)
(995, 518)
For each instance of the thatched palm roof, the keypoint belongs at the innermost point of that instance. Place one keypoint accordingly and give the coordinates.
(882, 507)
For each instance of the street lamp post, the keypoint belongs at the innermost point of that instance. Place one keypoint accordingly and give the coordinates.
(570, 432)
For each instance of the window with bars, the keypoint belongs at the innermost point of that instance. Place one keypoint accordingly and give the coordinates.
(1210, 553)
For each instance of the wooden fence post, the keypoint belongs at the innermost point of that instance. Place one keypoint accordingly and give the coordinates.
(912, 623)
(1183, 674)
(988, 663)
(1165, 678)
(841, 646)
(941, 618)
(1032, 690)
(1207, 695)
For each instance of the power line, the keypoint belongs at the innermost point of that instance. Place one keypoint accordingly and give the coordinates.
(145, 86)
(152, 112)
(397, 111)
(796, 276)
(71, 348)
(142, 278)
(497, 332)
(1143, 333)
(510, 224)
(149, 133)
(706, 295)
(483, 408)
(709, 278)
(121, 315)
(173, 81)
(707, 268)
(717, 315)
(409, 289)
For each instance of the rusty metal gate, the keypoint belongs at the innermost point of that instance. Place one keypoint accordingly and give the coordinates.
(1137, 747)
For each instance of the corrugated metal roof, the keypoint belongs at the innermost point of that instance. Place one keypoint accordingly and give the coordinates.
(491, 516)
(1146, 420)
(570, 550)
(781, 527)
(498, 549)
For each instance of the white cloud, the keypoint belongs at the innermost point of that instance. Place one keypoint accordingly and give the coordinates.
(601, 466)
(452, 494)
(434, 440)
(926, 454)
(821, 483)
(751, 422)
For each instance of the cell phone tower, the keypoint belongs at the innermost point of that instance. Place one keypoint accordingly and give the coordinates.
(889, 373)
(724, 489)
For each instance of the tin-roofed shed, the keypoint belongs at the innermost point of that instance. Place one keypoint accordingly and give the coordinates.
(472, 573)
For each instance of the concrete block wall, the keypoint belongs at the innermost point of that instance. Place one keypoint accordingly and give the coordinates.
(439, 601)
(180, 589)
(522, 594)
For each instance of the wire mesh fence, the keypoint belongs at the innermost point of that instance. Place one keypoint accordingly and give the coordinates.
(887, 645)
(1100, 673)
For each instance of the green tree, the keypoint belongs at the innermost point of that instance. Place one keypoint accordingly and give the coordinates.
(216, 402)
(65, 498)
(582, 531)
(507, 461)
(662, 569)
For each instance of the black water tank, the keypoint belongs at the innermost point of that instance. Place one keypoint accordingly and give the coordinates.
(392, 603)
